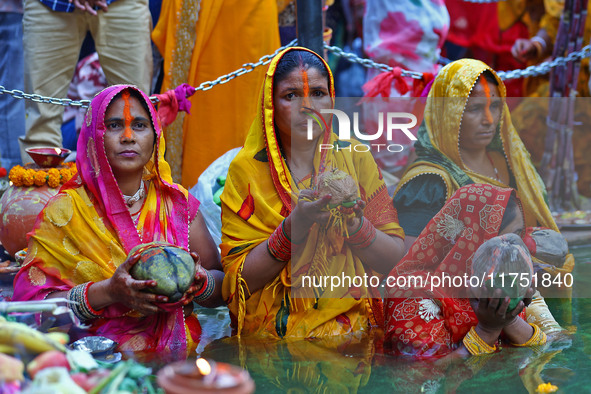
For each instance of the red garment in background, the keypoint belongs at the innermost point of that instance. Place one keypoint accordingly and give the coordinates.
(476, 27)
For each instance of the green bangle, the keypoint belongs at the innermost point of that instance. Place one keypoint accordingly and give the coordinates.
(358, 228)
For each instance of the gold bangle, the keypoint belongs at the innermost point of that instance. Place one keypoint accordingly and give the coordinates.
(538, 338)
(476, 345)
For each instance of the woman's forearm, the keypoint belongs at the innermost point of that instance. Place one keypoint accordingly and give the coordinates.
(383, 254)
(260, 268)
(99, 296)
(215, 299)
(518, 331)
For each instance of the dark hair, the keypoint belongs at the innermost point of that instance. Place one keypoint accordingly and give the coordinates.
(488, 75)
(297, 59)
(512, 210)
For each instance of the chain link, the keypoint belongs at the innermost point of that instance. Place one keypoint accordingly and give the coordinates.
(482, 1)
(246, 68)
(531, 71)
(544, 68)
(368, 63)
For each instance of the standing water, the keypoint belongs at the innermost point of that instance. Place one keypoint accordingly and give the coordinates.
(356, 364)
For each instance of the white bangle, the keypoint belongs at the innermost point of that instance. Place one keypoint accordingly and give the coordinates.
(541, 41)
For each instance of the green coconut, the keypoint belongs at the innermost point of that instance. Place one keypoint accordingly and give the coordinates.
(173, 268)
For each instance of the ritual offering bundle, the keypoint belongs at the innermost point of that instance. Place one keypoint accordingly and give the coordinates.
(505, 263)
(345, 194)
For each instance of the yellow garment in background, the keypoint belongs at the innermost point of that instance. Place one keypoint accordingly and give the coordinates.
(200, 41)
(259, 193)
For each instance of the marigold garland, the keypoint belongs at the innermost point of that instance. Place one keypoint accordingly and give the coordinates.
(20, 176)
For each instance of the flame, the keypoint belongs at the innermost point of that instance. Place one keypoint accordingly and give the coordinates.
(203, 366)
(58, 151)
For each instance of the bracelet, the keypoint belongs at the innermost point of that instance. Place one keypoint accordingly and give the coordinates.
(475, 345)
(364, 236)
(207, 289)
(541, 44)
(80, 305)
(538, 338)
(279, 245)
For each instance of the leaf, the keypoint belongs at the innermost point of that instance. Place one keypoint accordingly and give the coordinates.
(247, 208)
(344, 320)
(282, 316)
(238, 249)
(262, 156)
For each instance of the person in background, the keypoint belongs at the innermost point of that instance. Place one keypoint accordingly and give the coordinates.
(12, 111)
(53, 34)
(200, 41)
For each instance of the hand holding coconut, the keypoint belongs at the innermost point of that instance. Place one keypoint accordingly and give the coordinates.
(498, 303)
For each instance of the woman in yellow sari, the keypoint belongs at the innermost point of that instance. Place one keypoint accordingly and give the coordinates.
(467, 137)
(122, 197)
(271, 208)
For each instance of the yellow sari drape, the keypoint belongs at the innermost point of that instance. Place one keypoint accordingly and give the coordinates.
(259, 193)
(201, 40)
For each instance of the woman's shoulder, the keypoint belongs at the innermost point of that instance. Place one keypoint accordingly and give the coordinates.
(427, 188)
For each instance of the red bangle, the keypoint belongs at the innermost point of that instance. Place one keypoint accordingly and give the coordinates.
(90, 308)
(278, 245)
(202, 289)
(364, 236)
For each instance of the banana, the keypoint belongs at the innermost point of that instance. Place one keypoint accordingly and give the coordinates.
(58, 336)
(7, 349)
(13, 334)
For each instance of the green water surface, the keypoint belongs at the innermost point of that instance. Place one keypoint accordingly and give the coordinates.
(351, 365)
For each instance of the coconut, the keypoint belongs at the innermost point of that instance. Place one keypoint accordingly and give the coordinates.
(498, 261)
(551, 247)
(340, 185)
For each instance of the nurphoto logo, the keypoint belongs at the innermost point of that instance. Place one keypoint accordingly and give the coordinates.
(395, 122)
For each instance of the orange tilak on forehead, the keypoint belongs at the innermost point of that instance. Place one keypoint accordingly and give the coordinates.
(306, 100)
(486, 88)
(127, 133)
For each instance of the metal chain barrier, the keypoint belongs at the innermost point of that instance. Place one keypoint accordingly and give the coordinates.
(368, 63)
(531, 71)
(482, 1)
(246, 68)
(544, 68)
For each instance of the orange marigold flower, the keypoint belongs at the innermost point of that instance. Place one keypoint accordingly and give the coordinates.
(66, 174)
(53, 178)
(29, 178)
(16, 175)
(40, 177)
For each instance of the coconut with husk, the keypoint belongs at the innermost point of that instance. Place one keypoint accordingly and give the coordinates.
(345, 194)
(341, 186)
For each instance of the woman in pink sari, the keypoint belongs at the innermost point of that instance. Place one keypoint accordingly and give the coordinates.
(123, 196)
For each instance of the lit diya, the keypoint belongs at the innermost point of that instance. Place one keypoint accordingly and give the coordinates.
(48, 157)
(203, 376)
